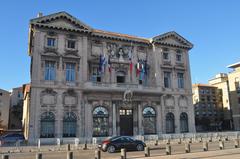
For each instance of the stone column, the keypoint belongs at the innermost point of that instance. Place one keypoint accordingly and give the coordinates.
(157, 60)
(84, 59)
(188, 87)
(114, 119)
(163, 113)
(159, 119)
(34, 117)
(59, 112)
(177, 115)
(140, 127)
(88, 121)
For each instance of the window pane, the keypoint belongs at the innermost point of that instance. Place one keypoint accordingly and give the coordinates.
(149, 124)
(167, 80)
(51, 42)
(165, 56)
(47, 125)
(69, 125)
(71, 44)
(180, 80)
(70, 72)
(184, 122)
(49, 70)
(100, 121)
(170, 125)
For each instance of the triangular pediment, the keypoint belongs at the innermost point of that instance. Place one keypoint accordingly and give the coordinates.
(172, 39)
(61, 20)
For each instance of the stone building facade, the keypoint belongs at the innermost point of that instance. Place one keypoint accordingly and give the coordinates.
(16, 107)
(234, 92)
(4, 109)
(221, 82)
(91, 83)
(208, 105)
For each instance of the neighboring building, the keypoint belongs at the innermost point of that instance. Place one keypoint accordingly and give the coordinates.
(234, 91)
(221, 82)
(90, 83)
(16, 106)
(4, 109)
(26, 106)
(208, 107)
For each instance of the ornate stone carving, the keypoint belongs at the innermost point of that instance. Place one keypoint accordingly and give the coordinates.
(70, 98)
(48, 97)
(112, 49)
(182, 101)
(127, 96)
(169, 101)
(97, 47)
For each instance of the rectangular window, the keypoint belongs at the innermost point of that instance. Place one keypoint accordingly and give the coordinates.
(51, 42)
(96, 76)
(167, 79)
(179, 57)
(50, 71)
(180, 80)
(71, 44)
(70, 72)
(120, 79)
(238, 100)
(165, 56)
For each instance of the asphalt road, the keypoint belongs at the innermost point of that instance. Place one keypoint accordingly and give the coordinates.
(156, 151)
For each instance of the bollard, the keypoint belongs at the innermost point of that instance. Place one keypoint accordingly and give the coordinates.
(210, 139)
(205, 146)
(220, 138)
(168, 141)
(85, 146)
(98, 154)
(123, 154)
(168, 149)
(156, 143)
(226, 138)
(5, 156)
(147, 151)
(200, 139)
(179, 141)
(68, 147)
(39, 144)
(190, 140)
(221, 145)
(38, 156)
(236, 143)
(187, 148)
(69, 155)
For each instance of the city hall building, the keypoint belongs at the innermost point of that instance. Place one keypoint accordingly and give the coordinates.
(89, 83)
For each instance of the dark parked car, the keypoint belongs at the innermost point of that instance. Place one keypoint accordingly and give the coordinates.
(11, 138)
(116, 143)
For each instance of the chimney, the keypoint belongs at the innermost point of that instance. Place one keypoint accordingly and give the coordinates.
(40, 14)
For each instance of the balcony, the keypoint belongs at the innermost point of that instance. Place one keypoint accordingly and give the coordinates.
(121, 87)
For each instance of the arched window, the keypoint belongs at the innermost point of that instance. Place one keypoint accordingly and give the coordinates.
(47, 125)
(69, 125)
(184, 122)
(170, 124)
(149, 121)
(100, 121)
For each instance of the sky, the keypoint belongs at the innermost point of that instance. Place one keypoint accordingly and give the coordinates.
(212, 26)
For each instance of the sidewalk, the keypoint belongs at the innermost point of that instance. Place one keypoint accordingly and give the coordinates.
(219, 154)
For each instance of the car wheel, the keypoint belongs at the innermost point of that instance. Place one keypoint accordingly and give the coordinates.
(140, 147)
(111, 149)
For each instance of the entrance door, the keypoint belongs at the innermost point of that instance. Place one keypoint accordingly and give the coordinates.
(126, 122)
